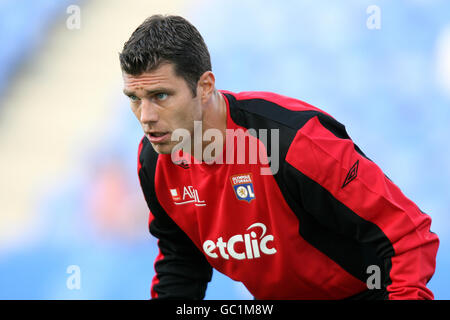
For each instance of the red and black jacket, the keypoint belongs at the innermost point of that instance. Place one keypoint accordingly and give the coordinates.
(313, 229)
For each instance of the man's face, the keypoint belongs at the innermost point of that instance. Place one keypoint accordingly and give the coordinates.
(162, 102)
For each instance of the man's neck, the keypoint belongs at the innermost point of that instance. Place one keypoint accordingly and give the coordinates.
(215, 118)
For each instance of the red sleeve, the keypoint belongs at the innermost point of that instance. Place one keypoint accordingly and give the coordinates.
(360, 185)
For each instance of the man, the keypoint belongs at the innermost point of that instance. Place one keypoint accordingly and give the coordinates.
(267, 189)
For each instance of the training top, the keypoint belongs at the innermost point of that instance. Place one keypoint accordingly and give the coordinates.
(311, 218)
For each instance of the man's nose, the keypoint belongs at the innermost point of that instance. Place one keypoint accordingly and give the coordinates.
(149, 112)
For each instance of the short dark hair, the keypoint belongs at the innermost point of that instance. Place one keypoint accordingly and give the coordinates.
(161, 39)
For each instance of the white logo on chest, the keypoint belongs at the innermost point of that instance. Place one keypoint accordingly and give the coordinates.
(190, 195)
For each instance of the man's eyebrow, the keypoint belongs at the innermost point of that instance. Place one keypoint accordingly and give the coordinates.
(149, 92)
(127, 93)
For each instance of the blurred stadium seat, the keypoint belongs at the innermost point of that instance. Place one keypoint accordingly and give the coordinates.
(23, 27)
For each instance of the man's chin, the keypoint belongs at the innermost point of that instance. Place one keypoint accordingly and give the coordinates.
(162, 148)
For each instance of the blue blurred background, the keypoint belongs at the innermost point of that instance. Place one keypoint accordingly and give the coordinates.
(69, 192)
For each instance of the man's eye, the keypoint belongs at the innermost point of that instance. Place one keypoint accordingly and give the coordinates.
(133, 98)
(161, 96)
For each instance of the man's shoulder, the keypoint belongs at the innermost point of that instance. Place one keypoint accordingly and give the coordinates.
(274, 99)
(271, 109)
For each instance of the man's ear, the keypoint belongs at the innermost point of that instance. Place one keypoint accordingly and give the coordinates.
(206, 85)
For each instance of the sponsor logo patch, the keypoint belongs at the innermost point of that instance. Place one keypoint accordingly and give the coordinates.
(242, 246)
(189, 195)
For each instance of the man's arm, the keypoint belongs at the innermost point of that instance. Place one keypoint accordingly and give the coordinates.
(182, 271)
(345, 192)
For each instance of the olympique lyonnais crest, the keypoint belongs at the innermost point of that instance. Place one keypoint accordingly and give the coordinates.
(243, 186)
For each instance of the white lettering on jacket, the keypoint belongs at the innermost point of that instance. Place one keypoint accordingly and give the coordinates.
(253, 247)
